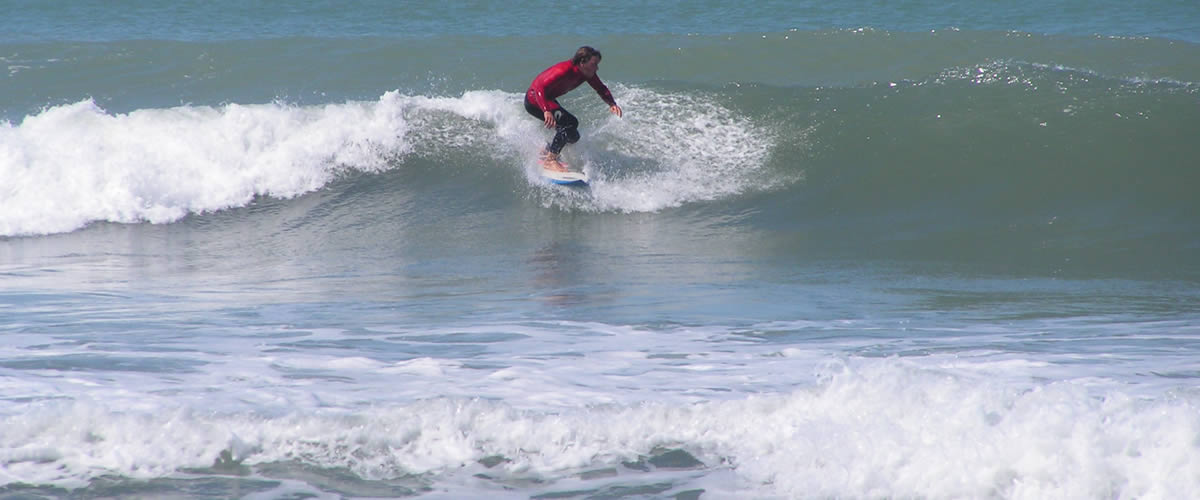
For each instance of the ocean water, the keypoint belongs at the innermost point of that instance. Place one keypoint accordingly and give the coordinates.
(832, 250)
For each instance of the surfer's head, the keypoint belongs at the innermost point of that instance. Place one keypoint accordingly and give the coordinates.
(587, 59)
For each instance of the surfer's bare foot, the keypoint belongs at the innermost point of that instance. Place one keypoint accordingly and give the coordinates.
(550, 162)
(555, 166)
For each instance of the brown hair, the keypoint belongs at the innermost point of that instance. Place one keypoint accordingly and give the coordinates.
(585, 53)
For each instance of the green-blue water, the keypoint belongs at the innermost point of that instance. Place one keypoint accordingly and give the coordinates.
(831, 250)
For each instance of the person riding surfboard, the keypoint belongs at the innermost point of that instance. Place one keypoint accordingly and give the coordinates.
(541, 100)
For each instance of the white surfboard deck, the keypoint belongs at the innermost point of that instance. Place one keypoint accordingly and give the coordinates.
(569, 178)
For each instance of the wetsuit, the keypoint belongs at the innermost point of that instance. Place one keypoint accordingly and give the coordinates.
(551, 84)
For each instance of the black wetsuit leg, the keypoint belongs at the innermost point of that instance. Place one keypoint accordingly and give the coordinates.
(566, 130)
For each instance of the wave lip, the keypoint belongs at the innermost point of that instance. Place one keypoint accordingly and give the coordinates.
(74, 164)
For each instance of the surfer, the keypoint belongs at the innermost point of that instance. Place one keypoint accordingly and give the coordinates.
(541, 100)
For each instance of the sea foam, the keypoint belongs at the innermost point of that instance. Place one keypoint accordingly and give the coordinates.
(884, 427)
(74, 164)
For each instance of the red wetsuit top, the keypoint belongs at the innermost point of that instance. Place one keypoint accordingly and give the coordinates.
(560, 79)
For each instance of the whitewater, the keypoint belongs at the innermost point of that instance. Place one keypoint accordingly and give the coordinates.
(77, 163)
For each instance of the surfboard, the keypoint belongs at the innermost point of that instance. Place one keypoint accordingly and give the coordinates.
(568, 178)
(565, 178)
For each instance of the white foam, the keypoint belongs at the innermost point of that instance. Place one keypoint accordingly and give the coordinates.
(875, 427)
(669, 150)
(559, 398)
(74, 164)
(427, 367)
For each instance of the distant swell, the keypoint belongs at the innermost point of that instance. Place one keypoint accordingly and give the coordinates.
(1010, 135)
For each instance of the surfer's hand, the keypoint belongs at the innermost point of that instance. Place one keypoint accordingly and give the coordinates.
(550, 123)
(616, 110)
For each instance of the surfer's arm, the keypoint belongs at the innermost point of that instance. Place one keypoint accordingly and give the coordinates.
(605, 94)
(537, 95)
(602, 91)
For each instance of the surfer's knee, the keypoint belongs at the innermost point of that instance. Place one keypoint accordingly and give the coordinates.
(568, 125)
